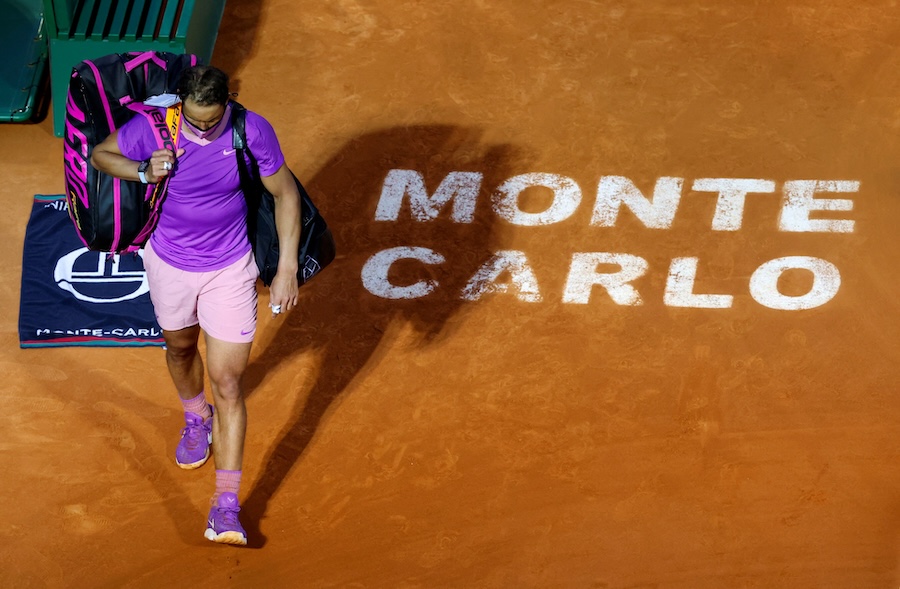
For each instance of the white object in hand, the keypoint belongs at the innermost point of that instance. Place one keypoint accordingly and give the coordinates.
(276, 309)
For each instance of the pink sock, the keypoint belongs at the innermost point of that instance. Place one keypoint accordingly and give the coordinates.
(197, 405)
(227, 481)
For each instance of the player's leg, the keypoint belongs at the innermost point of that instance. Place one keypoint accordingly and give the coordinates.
(227, 311)
(174, 295)
(186, 369)
(226, 363)
(183, 360)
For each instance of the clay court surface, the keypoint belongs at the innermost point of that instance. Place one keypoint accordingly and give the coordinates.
(520, 439)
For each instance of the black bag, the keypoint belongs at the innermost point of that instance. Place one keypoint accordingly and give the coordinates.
(110, 214)
(316, 249)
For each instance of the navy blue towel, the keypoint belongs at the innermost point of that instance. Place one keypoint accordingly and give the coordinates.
(75, 297)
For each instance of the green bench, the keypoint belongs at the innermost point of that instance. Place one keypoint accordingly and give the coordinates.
(24, 62)
(88, 29)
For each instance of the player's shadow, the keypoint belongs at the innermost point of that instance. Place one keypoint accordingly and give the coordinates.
(338, 318)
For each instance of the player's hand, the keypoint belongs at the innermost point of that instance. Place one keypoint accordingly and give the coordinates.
(161, 163)
(283, 293)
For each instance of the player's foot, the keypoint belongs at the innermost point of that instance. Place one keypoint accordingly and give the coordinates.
(222, 525)
(193, 449)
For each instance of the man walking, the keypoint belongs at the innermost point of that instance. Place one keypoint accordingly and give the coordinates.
(201, 269)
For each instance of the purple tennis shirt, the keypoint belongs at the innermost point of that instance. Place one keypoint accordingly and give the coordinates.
(203, 225)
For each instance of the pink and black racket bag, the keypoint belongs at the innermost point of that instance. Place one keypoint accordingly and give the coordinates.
(113, 215)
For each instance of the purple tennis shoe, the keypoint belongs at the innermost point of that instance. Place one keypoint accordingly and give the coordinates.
(193, 449)
(222, 525)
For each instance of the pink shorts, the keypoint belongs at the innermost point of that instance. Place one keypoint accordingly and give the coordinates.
(223, 301)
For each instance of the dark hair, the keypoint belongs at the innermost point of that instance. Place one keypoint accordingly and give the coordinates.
(204, 84)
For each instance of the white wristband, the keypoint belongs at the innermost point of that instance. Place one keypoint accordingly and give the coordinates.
(143, 167)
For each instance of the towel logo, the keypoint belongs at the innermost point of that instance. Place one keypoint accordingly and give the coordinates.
(97, 277)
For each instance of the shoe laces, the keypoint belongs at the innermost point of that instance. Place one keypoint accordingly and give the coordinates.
(229, 515)
(194, 432)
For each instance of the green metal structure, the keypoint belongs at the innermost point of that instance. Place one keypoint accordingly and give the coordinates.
(24, 62)
(87, 29)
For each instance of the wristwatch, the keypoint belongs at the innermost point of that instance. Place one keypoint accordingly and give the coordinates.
(143, 168)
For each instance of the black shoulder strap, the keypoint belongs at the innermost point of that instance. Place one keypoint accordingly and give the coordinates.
(250, 184)
(239, 142)
(238, 126)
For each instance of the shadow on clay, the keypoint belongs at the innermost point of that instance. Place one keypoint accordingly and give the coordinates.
(337, 317)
